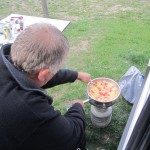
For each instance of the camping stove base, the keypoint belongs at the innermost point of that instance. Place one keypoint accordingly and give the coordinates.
(100, 117)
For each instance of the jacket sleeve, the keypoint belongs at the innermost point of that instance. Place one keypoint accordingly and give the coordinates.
(61, 77)
(61, 133)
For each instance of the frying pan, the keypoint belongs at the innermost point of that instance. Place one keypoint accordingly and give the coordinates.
(99, 103)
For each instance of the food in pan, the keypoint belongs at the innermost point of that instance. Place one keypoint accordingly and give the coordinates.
(103, 91)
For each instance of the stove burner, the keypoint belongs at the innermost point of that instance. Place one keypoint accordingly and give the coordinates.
(103, 105)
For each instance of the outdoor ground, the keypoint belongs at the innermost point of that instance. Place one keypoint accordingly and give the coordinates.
(106, 38)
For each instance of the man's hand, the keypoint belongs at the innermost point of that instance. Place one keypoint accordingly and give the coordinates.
(84, 77)
(78, 101)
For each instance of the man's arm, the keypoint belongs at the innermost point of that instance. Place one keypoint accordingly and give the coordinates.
(65, 76)
(60, 133)
(61, 77)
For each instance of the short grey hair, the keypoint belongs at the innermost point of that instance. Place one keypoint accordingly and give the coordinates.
(39, 46)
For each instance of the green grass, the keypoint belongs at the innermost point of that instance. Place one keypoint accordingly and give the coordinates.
(106, 38)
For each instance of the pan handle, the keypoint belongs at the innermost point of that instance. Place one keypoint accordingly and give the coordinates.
(85, 101)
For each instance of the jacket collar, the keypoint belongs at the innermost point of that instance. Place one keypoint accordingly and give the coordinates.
(20, 77)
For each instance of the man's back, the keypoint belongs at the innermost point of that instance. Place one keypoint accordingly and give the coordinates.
(27, 119)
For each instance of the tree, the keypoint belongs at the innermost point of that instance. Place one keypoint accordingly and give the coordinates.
(45, 9)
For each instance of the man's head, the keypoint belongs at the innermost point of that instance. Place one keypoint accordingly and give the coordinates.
(39, 51)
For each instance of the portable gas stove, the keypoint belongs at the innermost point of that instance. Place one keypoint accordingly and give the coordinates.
(101, 111)
(100, 115)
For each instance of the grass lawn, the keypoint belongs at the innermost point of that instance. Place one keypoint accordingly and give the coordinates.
(106, 38)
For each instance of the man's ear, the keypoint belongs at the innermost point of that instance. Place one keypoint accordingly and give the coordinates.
(42, 75)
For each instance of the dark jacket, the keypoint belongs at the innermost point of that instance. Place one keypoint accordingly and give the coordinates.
(28, 120)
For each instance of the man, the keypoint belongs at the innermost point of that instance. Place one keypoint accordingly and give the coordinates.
(28, 120)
